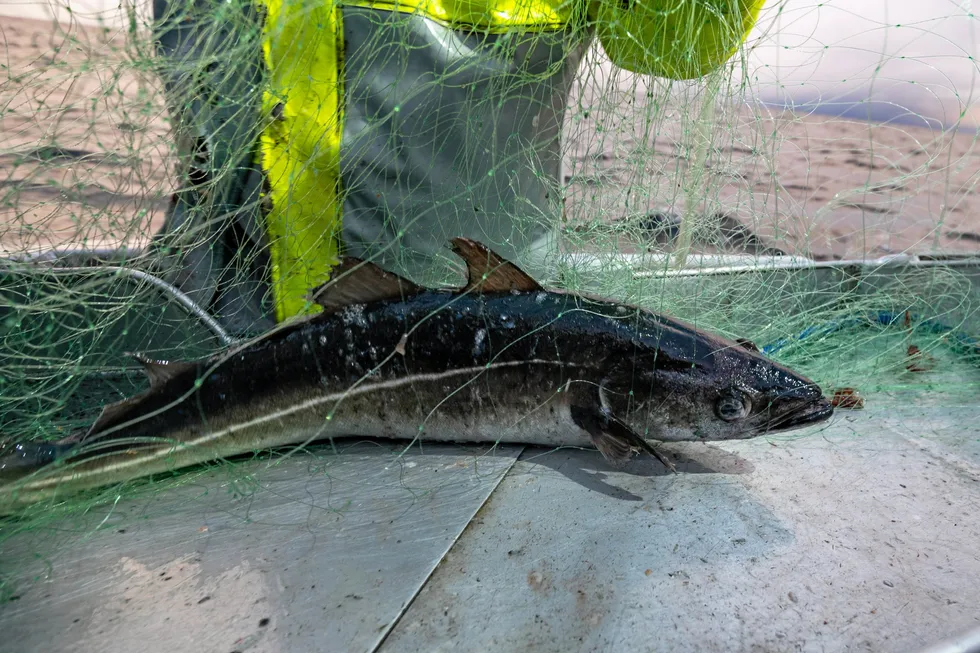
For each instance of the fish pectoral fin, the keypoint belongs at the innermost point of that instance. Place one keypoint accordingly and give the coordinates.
(614, 440)
(613, 449)
(489, 273)
(360, 282)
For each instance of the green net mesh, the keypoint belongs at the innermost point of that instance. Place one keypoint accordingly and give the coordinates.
(723, 200)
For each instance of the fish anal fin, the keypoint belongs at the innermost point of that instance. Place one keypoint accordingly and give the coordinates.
(159, 372)
(489, 273)
(360, 282)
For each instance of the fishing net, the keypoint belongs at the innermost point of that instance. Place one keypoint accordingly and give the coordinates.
(815, 194)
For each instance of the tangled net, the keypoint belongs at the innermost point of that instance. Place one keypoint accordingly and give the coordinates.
(661, 183)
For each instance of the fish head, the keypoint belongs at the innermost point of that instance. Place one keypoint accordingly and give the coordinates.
(682, 386)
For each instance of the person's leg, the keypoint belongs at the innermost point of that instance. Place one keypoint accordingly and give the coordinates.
(213, 239)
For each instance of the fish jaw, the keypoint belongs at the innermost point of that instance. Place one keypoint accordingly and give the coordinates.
(692, 423)
(809, 414)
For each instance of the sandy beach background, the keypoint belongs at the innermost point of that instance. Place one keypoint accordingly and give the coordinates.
(793, 157)
(84, 159)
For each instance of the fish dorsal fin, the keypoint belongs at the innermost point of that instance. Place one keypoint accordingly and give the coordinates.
(113, 414)
(159, 372)
(747, 344)
(360, 282)
(489, 273)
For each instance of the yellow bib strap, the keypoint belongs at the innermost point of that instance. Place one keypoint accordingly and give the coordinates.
(300, 149)
(486, 16)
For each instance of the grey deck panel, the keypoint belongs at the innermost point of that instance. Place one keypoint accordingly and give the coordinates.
(326, 548)
(861, 536)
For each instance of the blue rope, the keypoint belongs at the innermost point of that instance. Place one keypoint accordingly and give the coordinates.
(967, 344)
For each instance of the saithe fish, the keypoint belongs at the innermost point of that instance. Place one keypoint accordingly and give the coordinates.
(500, 360)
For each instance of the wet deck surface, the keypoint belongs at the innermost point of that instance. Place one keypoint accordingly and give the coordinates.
(858, 536)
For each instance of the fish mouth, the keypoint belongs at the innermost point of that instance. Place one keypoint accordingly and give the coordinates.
(812, 413)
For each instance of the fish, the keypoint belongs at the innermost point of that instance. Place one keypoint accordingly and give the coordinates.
(499, 360)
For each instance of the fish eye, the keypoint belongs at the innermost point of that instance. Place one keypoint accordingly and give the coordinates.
(733, 405)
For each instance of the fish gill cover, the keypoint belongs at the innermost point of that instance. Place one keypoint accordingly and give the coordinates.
(202, 179)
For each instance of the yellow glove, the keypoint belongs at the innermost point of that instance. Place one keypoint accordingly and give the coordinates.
(677, 39)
